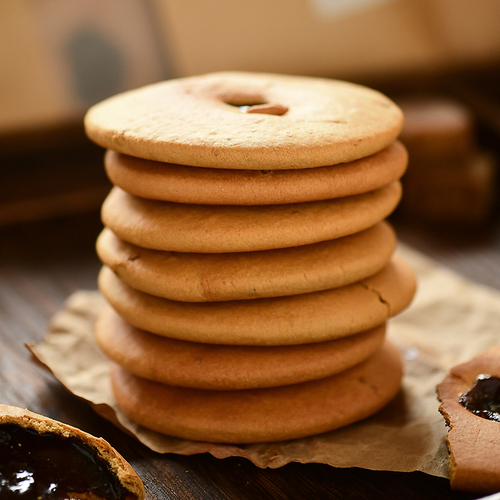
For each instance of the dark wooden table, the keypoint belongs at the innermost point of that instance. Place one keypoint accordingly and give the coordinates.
(42, 263)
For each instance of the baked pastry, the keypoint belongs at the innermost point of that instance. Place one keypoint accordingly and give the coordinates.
(199, 121)
(228, 367)
(216, 186)
(179, 227)
(470, 404)
(202, 277)
(44, 458)
(297, 319)
(259, 415)
(245, 254)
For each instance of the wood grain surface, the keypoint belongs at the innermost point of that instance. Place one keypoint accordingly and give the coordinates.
(42, 263)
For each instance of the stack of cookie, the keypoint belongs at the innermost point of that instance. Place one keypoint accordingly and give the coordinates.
(247, 264)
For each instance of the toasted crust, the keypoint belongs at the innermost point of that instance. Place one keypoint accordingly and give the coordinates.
(196, 121)
(210, 186)
(298, 319)
(195, 277)
(473, 441)
(162, 225)
(223, 367)
(41, 424)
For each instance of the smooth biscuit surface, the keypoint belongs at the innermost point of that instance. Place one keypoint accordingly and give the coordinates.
(209, 366)
(163, 225)
(210, 186)
(196, 277)
(197, 121)
(298, 319)
(260, 415)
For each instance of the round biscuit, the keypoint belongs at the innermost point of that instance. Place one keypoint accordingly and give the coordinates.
(198, 121)
(210, 186)
(262, 415)
(473, 441)
(163, 225)
(202, 277)
(223, 367)
(297, 319)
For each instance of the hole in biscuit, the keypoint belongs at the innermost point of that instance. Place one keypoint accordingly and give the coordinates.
(265, 108)
(245, 107)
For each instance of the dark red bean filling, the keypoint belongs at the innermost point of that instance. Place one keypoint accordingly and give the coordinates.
(483, 398)
(49, 466)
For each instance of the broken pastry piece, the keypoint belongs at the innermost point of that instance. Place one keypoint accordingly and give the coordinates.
(470, 404)
(43, 458)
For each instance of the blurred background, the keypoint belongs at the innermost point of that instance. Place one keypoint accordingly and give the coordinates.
(439, 59)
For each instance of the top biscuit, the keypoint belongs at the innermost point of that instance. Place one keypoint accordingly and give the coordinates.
(216, 120)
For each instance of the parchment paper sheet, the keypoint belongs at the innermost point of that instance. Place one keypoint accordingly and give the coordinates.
(450, 321)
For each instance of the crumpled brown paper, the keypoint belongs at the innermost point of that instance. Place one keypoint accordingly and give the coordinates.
(450, 321)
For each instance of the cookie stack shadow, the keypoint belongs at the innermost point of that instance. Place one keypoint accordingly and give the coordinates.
(249, 305)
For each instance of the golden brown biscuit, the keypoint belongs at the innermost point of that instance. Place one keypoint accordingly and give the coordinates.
(198, 121)
(473, 441)
(298, 319)
(209, 366)
(195, 277)
(163, 225)
(40, 456)
(260, 415)
(210, 186)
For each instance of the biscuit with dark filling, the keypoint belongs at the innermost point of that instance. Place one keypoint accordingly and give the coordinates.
(473, 439)
(43, 458)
